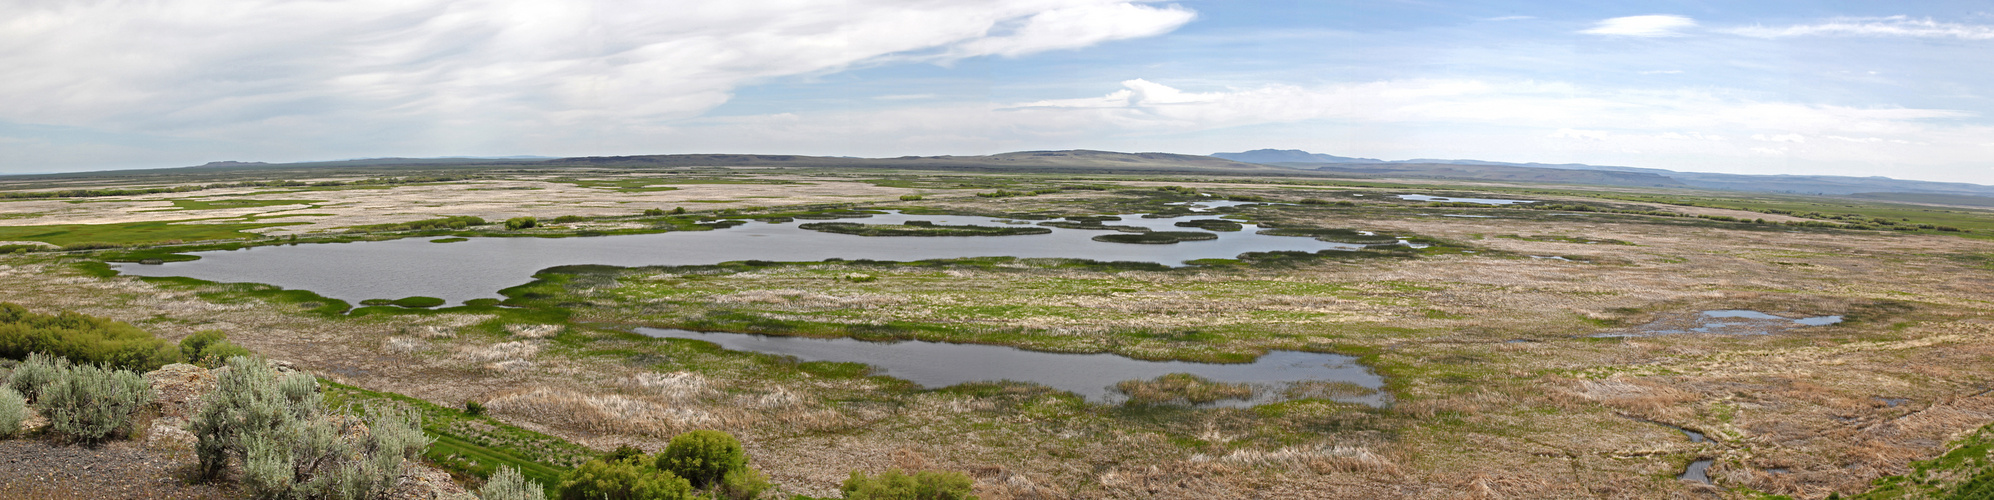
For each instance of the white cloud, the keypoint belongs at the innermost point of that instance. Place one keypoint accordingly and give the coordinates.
(1873, 26)
(1662, 72)
(1586, 135)
(464, 71)
(904, 97)
(1510, 18)
(1642, 26)
(1779, 137)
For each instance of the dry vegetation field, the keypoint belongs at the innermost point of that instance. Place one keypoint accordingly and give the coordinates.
(1511, 374)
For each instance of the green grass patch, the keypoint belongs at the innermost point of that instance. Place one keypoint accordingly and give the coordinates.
(477, 445)
(133, 233)
(449, 240)
(1156, 237)
(920, 228)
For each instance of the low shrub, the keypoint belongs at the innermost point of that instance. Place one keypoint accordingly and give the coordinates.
(654, 212)
(508, 484)
(910, 197)
(91, 404)
(291, 446)
(39, 371)
(622, 480)
(209, 349)
(474, 408)
(896, 485)
(521, 223)
(703, 457)
(565, 219)
(13, 409)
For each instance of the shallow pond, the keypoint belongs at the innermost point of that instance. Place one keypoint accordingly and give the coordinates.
(938, 364)
(480, 267)
(1724, 322)
(1443, 199)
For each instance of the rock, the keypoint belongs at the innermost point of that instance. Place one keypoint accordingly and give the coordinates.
(421, 482)
(170, 433)
(180, 387)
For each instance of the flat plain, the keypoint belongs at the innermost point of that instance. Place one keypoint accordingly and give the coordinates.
(1542, 350)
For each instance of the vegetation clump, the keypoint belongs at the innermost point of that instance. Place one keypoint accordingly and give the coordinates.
(418, 302)
(1211, 224)
(290, 445)
(919, 228)
(458, 222)
(449, 240)
(1157, 237)
(508, 484)
(517, 223)
(79, 337)
(1351, 236)
(13, 409)
(1181, 388)
(697, 464)
(897, 485)
(209, 349)
(910, 197)
(91, 404)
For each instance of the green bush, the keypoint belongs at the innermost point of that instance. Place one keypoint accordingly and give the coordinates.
(896, 485)
(291, 446)
(569, 218)
(703, 457)
(13, 409)
(508, 484)
(419, 302)
(40, 370)
(91, 404)
(81, 338)
(622, 480)
(678, 210)
(654, 211)
(209, 349)
(910, 197)
(521, 222)
(474, 408)
(744, 484)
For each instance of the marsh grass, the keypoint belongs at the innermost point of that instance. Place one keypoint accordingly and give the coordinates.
(1181, 388)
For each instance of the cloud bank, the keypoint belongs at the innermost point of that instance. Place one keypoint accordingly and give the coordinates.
(1893, 26)
(482, 72)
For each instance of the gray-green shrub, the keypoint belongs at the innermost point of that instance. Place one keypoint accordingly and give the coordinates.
(703, 457)
(40, 370)
(896, 485)
(91, 404)
(291, 446)
(508, 484)
(13, 409)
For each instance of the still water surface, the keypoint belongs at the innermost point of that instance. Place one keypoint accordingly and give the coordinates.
(480, 267)
(938, 364)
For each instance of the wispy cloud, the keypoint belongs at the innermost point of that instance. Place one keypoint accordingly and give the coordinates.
(1899, 26)
(1510, 18)
(1642, 26)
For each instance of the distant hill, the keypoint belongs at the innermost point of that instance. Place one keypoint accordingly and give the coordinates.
(1578, 173)
(1284, 156)
(1079, 159)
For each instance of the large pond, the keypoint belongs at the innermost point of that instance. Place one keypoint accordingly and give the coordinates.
(480, 267)
(936, 364)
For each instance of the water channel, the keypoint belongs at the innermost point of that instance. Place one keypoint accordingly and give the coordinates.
(937, 364)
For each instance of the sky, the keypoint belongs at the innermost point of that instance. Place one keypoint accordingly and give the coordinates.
(1862, 88)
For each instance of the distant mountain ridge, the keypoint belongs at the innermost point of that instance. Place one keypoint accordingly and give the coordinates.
(1878, 187)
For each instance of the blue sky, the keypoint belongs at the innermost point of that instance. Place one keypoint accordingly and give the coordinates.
(1843, 88)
